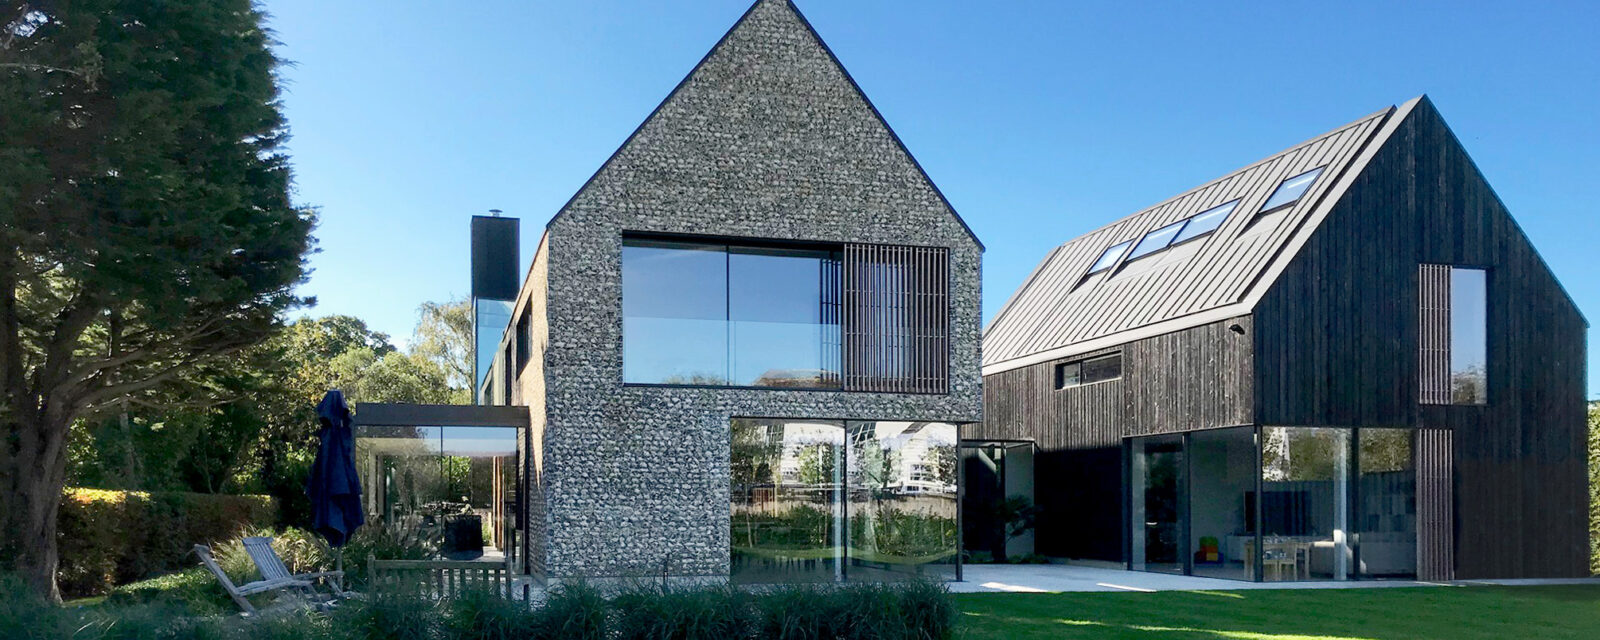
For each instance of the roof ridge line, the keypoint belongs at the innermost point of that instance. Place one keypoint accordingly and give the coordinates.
(1203, 185)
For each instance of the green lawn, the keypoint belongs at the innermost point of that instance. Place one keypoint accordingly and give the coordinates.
(1456, 613)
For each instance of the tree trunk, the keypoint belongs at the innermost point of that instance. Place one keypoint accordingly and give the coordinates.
(32, 472)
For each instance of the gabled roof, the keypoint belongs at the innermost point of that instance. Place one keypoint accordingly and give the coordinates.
(1061, 310)
(757, 25)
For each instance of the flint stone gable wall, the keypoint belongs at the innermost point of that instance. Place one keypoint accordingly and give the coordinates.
(767, 138)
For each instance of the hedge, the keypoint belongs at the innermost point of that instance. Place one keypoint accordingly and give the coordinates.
(108, 538)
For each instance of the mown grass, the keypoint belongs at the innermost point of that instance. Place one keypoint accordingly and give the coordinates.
(1454, 613)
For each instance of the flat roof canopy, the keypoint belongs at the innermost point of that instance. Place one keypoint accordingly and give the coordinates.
(397, 414)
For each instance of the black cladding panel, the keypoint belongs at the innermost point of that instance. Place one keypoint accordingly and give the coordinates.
(495, 257)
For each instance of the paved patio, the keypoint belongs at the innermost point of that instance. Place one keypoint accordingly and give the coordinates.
(1045, 578)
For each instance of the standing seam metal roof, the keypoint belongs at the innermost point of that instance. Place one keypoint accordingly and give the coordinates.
(1052, 312)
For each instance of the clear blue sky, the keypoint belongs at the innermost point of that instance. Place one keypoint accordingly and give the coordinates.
(1039, 120)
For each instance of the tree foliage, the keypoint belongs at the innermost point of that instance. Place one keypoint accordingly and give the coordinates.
(146, 229)
(444, 336)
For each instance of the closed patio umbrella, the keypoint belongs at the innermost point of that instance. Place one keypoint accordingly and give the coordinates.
(334, 488)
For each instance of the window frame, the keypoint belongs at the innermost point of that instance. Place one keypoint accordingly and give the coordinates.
(1176, 227)
(1060, 369)
(1094, 268)
(1316, 174)
(1230, 206)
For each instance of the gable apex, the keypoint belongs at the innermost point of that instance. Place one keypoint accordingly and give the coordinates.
(767, 108)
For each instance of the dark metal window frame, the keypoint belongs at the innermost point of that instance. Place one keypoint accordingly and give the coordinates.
(961, 479)
(1352, 496)
(1284, 205)
(1182, 225)
(1441, 304)
(929, 345)
(1060, 369)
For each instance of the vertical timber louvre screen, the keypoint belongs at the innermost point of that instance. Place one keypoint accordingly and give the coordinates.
(896, 318)
(1433, 333)
(1435, 453)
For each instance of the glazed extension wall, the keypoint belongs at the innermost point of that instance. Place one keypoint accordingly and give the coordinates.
(767, 138)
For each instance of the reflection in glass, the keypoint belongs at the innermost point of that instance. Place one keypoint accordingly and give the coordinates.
(786, 489)
(1110, 257)
(1291, 190)
(1156, 240)
(1222, 467)
(902, 481)
(1469, 339)
(1305, 476)
(1386, 511)
(454, 486)
(492, 318)
(705, 314)
(1156, 505)
(784, 317)
(1205, 222)
(674, 313)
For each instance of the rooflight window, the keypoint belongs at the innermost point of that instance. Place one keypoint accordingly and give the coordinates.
(1110, 257)
(1290, 191)
(1205, 222)
(1156, 240)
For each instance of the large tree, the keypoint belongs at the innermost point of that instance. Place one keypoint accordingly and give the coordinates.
(444, 335)
(146, 226)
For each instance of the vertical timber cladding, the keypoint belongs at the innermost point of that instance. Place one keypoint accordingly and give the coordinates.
(1435, 453)
(896, 318)
(1433, 333)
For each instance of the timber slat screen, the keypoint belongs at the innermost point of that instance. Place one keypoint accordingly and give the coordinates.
(1433, 333)
(1435, 453)
(896, 319)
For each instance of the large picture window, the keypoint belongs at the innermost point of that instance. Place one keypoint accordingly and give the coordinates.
(712, 314)
(1274, 503)
(850, 316)
(829, 500)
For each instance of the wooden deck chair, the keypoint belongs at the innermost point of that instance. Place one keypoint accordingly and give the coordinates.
(260, 550)
(238, 593)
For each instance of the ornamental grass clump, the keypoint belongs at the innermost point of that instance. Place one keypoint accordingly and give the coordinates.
(644, 611)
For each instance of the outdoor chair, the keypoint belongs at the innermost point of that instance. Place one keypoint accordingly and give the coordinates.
(260, 550)
(291, 585)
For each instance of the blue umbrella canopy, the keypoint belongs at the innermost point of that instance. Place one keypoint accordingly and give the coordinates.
(334, 488)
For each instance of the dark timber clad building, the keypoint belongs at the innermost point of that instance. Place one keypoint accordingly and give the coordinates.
(1344, 361)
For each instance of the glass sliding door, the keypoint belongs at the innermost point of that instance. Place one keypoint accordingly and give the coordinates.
(1222, 468)
(1156, 504)
(787, 493)
(902, 500)
(1386, 504)
(1305, 479)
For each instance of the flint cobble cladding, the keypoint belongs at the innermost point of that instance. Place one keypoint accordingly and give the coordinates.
(766, 139)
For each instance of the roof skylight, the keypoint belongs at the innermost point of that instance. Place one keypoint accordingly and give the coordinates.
(1156, 240)
(1290, 191)
(1110, 257)
(1205, 222)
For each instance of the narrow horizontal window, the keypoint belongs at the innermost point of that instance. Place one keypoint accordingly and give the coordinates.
(1156, 240)
(1110, 257)
(1205, 222)
(1089, 371)
(1291, 190)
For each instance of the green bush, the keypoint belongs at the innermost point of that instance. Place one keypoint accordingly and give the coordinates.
(107, 538)
(662, 613)
(576, 611)
(891, 611)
